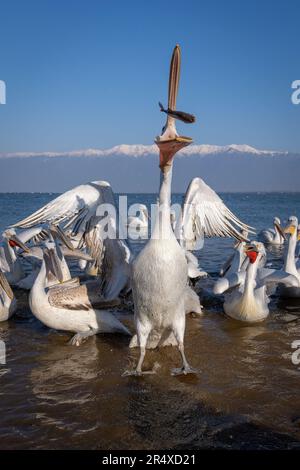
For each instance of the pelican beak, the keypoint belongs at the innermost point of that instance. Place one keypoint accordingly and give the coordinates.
(5, 286)
(169, 142)
(280, 230)
(252, 252)
(59, 233)
(52, 264)
(298, 238)
(168, 148)
(15, 241)
(76, 254)
(290, 229)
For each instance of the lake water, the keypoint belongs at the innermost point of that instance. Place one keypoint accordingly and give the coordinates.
(53, 395)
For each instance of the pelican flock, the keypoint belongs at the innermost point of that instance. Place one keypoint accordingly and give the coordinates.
(74, 257)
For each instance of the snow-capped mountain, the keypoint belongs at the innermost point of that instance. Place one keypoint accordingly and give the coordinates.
(139, 150)
(134, 168)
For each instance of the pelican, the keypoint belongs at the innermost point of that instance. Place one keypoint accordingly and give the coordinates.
(140, 221)
(272, 236)
(248, 300)
(290, 265)
(160, 271)
(8, 303)
(54, 306)
(10, 263)
(81, 209)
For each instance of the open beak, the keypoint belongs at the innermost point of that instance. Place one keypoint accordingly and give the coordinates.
(168, 148)
(53, 264)
(15, 241)
(5, 286)
(169, 142)
(280, 230)
(59, 233)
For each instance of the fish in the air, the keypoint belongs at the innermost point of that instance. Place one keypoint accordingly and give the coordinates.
(185, 117)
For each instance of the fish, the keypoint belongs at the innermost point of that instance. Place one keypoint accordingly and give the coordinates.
(182, 116)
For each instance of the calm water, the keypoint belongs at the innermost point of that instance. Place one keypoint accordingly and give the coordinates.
(53, 395)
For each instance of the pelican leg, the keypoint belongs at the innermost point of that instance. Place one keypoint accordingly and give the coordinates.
(143, 332)
(178, 331)
(77, 339)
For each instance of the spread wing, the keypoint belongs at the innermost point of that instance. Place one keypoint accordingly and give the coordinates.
(73, 208)
(204, 214)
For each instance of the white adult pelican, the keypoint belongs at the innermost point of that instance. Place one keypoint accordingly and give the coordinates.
(272, 236)
(140, 221)
(8, 303)
(10, 263)
(83, 208)
(61, 312)
(290, 265)
(248, 300)
(159, 273)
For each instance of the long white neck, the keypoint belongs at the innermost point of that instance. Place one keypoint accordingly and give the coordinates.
(289, 259)
(250, 281)
(278, 236)
(10, 254)
(38, 299)
(162, 228)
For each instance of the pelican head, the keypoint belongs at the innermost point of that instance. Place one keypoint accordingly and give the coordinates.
(57, 232)
(292, 226)
(254, 251)
(169, 142)
(13, 240)
(277, 225)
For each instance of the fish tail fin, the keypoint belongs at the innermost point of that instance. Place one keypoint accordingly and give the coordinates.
(161, 107)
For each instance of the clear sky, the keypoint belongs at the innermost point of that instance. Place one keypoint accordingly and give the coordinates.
(83, 74)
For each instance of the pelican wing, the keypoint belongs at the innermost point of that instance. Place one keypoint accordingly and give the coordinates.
(74, 207)
(225, 283)
(276, 276)
(204, 214)
(82, 297)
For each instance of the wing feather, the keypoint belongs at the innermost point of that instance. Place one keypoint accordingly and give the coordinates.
(73, 208)
(204, 214)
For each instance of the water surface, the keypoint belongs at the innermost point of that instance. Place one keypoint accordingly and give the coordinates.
(246, 396)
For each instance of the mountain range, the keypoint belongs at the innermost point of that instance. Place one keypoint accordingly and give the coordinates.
(134, 168)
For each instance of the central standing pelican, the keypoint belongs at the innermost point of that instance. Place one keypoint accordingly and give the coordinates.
(160, 271)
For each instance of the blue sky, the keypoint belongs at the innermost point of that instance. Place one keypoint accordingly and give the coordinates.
(89, 73)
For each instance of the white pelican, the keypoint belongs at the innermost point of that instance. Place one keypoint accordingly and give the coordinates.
(56, 308)
(10, 263)
(248, 299)
(290, 265)
(80, 209)
(8, 303)
(160, 272)
(272, 236)
(140, 221)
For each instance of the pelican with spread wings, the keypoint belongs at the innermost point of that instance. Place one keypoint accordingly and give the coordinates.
(81, 210)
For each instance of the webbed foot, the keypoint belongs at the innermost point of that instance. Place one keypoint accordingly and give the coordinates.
(184, 371)
(78, 339)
